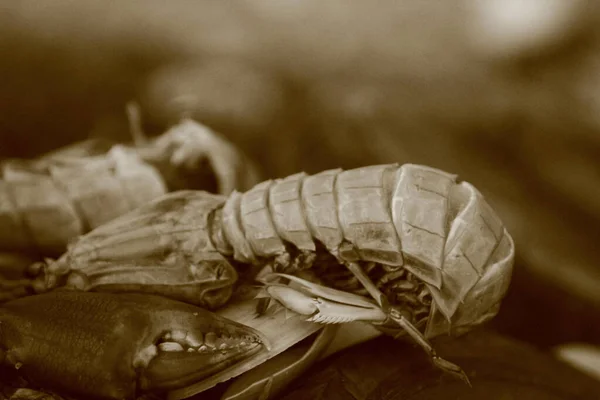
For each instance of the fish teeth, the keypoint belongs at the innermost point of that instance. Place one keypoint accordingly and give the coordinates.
(178, 335)
(194, 341)
(210, 339)
(170, 346)
(250, 339)
(180, 340)
(223, 342)
(229, 340)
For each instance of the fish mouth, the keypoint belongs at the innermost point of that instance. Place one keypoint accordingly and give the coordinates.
(180, 358)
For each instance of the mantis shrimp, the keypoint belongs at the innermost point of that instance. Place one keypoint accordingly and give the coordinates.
(47, 202)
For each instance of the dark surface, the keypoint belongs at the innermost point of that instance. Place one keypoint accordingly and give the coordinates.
(543, 313)
(499, 369)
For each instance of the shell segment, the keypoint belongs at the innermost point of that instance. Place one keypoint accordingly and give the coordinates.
(13, 233)
(363, 202)
(483, 300)
(419, 210)
(287, 212)
(234, 231)
(319, 201)
(45, 205)
(493, 284)
(120, 179)
(91, 195)
(257, 223)
(475, 235)
(47, 221)
(163, 247)
(139, 181)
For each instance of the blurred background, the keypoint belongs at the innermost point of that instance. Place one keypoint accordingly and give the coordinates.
(505, 93)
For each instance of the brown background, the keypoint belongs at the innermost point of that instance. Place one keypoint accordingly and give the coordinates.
(313, 85)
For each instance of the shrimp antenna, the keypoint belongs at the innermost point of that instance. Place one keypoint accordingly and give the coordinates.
(134, 119)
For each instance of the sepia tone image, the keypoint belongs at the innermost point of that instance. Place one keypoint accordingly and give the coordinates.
(293, 200)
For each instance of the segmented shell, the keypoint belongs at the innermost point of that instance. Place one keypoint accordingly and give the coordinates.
(410, 216)
(44, 206)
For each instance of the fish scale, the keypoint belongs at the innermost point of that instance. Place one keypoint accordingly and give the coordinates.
(105, 346)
